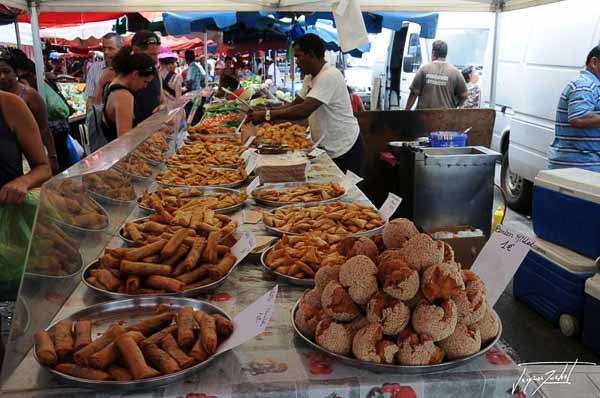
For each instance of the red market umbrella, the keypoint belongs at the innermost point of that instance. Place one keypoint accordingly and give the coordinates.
(58, 19)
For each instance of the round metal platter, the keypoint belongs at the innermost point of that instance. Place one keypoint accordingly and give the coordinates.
(38, 274)
(76, 230)
(279, 232)
(224, 210)
(285, 185)
(390, 368)
(106, 200)
(119, 296)
(135, 176)
(289, 279)
(152, 162)
(235, 184)
(132, 311)
(130, 242)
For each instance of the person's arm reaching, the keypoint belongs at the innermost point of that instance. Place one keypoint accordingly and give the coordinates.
(38, 108)
(412, 98)
(294, 112)
(20, 120)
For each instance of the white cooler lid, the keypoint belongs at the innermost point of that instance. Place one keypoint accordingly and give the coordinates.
(568, 259)
(578, 183)
(592, 286)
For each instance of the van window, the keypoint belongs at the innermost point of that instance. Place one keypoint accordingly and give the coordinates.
(413, 56)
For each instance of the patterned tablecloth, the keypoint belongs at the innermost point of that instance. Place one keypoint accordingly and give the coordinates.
(277, 363)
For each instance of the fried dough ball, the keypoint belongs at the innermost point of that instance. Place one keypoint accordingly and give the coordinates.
(401, 284)
(359, 275)
(397, 232)
(338, 304)
(488, 325)
(418, 349)
(437, 321)
(472, 281)
(465, 341)
(470, 305)
(422, 252)
(441, 281)
(393, 315)
(378, 240)
(325, 275)
(364, 344)
(390, 255)
(336, 337)
(307, 317)
(386, 350)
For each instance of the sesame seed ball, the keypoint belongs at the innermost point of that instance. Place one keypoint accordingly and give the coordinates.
(418, 350)
(421, 252)
(337, 303)
(325, 275)
(307, 317)
(364, 246)
(334, 336)
(311, 297)
(465, 341)
(488, 325)
(402, 284)
(437, 321)
(441, 281)
(393, 315)
(359, 275)
(470, 305)
(387, 351)
(397, 232)
(365, 341)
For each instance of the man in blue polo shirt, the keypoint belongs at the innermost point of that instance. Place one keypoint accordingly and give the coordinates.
(577, 139)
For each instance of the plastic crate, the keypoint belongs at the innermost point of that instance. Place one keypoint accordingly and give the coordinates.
(447, 139)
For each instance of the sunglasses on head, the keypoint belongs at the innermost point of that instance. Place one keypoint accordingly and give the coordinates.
(151, 40)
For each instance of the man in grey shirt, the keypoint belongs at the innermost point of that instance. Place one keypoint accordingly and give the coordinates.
(438, 85)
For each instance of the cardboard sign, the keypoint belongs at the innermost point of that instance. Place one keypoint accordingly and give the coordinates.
(243, 246)
(251, 322)
(389, 207)
(249, 141)
(253, 185)
(499, 260)
(350, 180)
(251, 165)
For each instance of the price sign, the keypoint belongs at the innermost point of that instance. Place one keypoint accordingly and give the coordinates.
(499, 260)
(251, 165)
(249, 141)
(251, 322)
(350, 180)
(246, 154)
(243, 246)
(389, 207)
(253, 185)
(316, 152)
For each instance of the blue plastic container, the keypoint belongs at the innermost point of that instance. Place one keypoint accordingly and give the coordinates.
(551, 280)
(566, 209)
(591, 320)
(446, 139)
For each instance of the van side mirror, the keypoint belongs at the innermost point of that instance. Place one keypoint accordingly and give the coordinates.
(408, 65)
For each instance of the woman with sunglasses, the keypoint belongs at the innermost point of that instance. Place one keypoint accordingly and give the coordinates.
(134, 72)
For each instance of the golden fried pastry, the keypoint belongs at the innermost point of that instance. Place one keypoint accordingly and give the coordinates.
(311, 297)
(353, 246)
(386, 350)
(233, 139)
(418, 349)
(465, 341)
(194, 175)
(364, 343)
(207, 155)
(325, 275)
(421, 251)
(172, 199)
(69, 202)
(359, 276)
(437, 321)
(471, 306)
(398, 280)
(393, 315)
(334, 218)
(287, 133)
(308, 192)
(488, 325)
(154, 147)
(472, 281)
(441, 281)
(389, 255)
(135, 165)
(110, 183)
(307, 317)
(397, 232)
(337, 303)
(336, 337)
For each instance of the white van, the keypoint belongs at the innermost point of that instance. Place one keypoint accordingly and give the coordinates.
(540, 50)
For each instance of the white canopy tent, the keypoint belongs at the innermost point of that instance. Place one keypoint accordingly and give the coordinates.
(496, 6)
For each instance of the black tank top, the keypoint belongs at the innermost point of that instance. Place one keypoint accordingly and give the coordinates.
(147, 99)
(109, 127)
(11, 161)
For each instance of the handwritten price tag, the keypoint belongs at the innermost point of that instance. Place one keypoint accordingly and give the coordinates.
(350, 180)
(243, 246)
(251, 165)
(499, 260)
(316, 152)
(246, 154)
(249, 141)
(389, 207)
(253, 185)
(251, 322)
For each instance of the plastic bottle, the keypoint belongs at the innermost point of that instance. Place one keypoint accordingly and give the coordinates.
(498, 216)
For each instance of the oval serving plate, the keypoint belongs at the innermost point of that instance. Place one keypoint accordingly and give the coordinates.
(224, 210)
(389, 368)
(279, 232)
(289, 279)
(133, 310)
(235, 184)
(283, 186)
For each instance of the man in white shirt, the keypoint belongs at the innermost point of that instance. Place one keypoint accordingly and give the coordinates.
(325, 101)
(111, 44)
(274, 73)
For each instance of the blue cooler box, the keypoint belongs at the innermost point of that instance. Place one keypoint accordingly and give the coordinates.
(566, 209)
(591, 320)
(551, 280)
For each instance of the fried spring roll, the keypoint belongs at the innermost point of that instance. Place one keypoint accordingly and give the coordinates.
(133, 232)
(117, 252)
(185, 327)
(81, 356)
(201, 283)
(82, 372)
(132, 284)
(224, 327)
(223, 249)
(109, 354)
(83, 334)
(145, 251)
(158, 336)
(105, 277)
(90, 220)
(169, 344)
(221, 269)
(193, 256)
(152, 259)
(153, 227)
(44, 348)
(198, 352)
(143, 269)
(94, 282)
(63, 338)
(161, 359)
(119, 374)
(109, 261)
(171, 247)
(210, 253)
(198, 273)
(208, 331)
(134, 358)
(182, 250)
(152, 324)
(164, 283)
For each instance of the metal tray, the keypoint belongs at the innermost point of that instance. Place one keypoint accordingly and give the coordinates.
(151, 162)
(282, 186)
(289, 279)
(129, 242)
(132, 310)
(235, 184)
(388, 368)
(106, 200)
(278, 232)
(119, 296)
(77, 230)
(224, 210)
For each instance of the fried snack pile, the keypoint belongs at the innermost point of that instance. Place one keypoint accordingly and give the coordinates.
(172, 199)
(110, 183)
(154, 147)
(208, 148)
(215, 140)
(334, 218)
(207, 155)
(194, 175)
(399, 298)
(134, 164)
(302, 256)
(69, 202)
(53, 252)
(290, 134)
(159, 345)
(309, 192)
